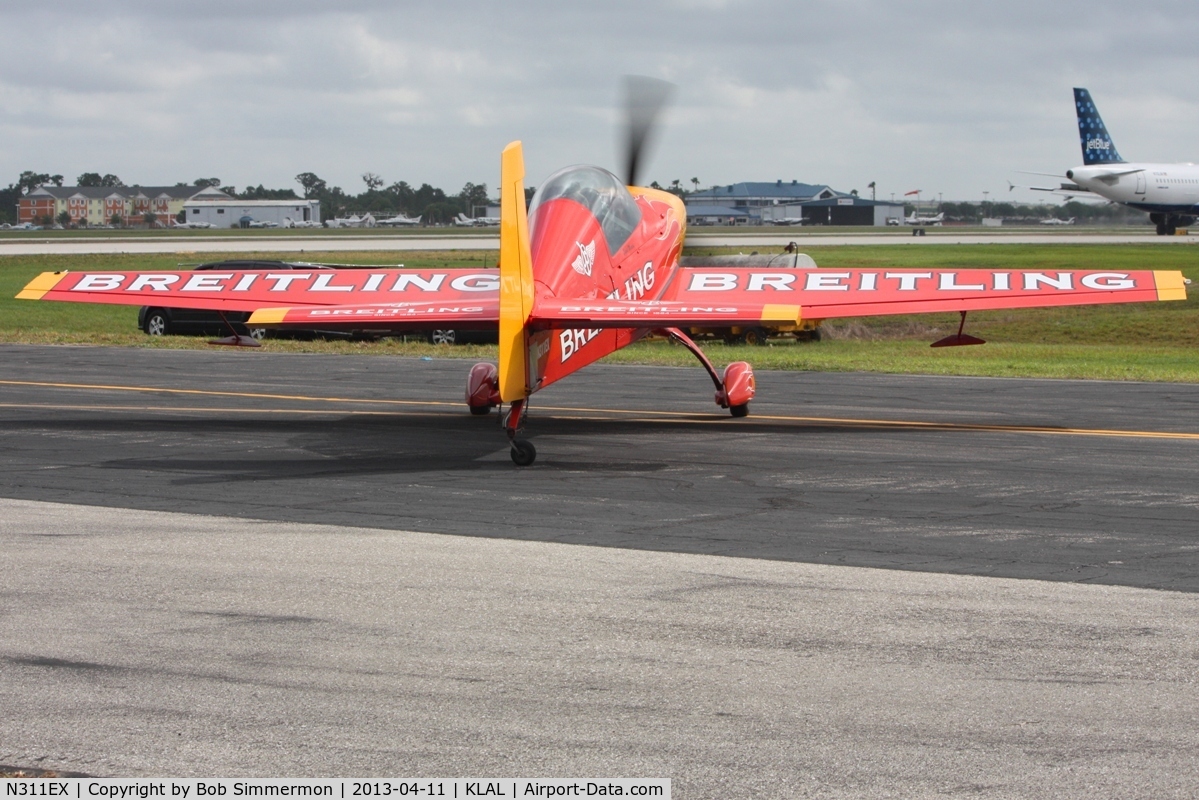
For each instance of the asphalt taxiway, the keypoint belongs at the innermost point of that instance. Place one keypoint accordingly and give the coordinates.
(874, 584)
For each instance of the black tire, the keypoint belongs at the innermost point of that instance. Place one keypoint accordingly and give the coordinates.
(815, 335)
(479, 411)
(1161, 229)
(740, 411)
(156, 323)
(257, 334)
(523, 453)
(755, 336)
(448, 336)
(1171, 229)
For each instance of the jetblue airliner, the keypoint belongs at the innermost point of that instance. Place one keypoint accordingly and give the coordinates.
(1169, 192)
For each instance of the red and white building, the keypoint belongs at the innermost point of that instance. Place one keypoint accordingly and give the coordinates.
(97, 205)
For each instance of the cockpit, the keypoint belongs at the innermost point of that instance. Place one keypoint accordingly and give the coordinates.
(600, 192)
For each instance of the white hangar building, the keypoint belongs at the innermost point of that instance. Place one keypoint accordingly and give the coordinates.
(229, 213)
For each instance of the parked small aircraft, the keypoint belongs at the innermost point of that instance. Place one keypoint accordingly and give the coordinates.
(191, 225)
(1056, 221)
(475, 222)
(399, 220)
(288, 222)
(916, 219)
(590, 267)
(352, 221)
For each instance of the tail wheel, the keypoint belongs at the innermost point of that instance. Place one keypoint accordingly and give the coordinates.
(740, 411)
(523, 452)
(480, 411)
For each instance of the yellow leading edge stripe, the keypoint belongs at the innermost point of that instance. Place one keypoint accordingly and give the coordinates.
(780, 313)
(266, 316)
(1170, 285)
(37, 288)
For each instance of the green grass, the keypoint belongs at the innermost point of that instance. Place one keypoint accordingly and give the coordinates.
(1152, 342)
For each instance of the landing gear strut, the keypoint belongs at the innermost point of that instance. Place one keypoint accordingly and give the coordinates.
(734, 389)
(523, 451)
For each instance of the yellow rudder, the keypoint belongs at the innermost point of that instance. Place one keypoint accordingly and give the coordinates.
(516, 277)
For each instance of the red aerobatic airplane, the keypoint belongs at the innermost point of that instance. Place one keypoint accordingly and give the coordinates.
(593, 266)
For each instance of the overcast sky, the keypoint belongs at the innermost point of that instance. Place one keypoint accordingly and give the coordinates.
(949, 98)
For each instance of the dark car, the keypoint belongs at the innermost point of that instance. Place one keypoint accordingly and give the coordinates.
(454, 336)
(159, 321)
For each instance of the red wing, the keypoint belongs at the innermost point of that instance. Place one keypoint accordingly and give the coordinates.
(239, 290)
(829, 293)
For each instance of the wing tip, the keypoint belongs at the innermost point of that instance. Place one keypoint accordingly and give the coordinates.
(1170, 285)
(37, 288)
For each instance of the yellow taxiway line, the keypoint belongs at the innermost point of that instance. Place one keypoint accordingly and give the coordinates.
(559, 412)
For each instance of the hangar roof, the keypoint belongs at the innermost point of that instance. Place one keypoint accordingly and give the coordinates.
(100, 192)
(778, 190)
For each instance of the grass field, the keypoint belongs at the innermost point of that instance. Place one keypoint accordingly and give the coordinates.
(1154, 342)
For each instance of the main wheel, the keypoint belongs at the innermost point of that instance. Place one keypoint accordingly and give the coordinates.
(479, 411)
(740, 411)
(258, 334)
(157, 324)
(443, 336)
(523, 452)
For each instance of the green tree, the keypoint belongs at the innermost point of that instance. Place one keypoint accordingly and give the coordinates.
(150, 218)
(111, 180)
(372, 181)
(64, 219)
(29, 180)
(313, 186)
(9, 197)
(206, 182)
(472, 196)
(259, 192)
(89, 179)
(116, 221)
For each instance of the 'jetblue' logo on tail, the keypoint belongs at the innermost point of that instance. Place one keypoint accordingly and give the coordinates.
(1097, 146)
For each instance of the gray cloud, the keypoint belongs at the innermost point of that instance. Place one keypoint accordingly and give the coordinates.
(949, 98)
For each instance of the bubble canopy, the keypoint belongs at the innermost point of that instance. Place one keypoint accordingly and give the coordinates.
(601, 193)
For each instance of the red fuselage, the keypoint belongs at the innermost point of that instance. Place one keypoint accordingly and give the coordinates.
(571, 258)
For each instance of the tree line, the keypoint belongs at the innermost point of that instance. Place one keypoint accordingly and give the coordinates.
(433, 205)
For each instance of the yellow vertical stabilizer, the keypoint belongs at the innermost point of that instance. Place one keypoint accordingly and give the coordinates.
(516, 276)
